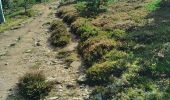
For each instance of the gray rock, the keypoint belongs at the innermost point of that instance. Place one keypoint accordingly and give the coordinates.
(66, 67)
(70, 85)
(82, 79)
(53, 98)
(12, 44)
(6, 64)
(16, 27)
(50, 79)
(75, 64)
(86, 97)
(37, 44)
(3, 53)
(18, 39)
(28, 51)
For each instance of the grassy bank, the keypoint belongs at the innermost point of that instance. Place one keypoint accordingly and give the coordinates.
(125, 49)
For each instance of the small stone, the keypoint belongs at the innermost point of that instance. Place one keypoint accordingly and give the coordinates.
(66, 67)
(60, 90)
(50, 7)
(82, 86)
(70, 85)
(18, 39)
(75, 64)
(59, 86)
(86, 97)
(37, 44)
(81, 79)
(3, 53)
(12, 44)
(28, 51)
(53, 98)
(16, 27)
(50, 79)
(161, 55)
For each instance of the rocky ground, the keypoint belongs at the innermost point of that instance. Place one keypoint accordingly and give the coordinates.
(26, 48)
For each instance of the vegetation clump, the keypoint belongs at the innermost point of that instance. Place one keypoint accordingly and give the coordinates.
(126, 49)
(59, 35)
(33, 86)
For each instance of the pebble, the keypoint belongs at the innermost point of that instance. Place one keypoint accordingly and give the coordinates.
(70, 85)
(37, 44)
(28, 51)
(75, 64)
(81, 79)
(53, 98)
(12, 44)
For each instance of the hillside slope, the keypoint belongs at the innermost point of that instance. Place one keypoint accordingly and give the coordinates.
(125, 49)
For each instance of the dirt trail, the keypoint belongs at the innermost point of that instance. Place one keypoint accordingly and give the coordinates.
(26, 49)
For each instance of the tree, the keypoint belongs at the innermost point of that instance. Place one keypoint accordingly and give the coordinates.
(91, 7)
(2, 18)
(25, 5)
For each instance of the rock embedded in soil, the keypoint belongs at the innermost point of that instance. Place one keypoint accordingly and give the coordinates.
(53, 98)
(28, 51)
(75, 64)
(82, 79)
(12, 44)
(70, 85)
(37, 44)
(3, 53)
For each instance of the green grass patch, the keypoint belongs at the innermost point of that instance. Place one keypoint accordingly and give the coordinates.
(153, 5)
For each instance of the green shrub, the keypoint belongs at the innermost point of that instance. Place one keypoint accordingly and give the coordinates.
(67, 13)
(118, 34)
(33, 86)
(91, 7)
(69, 18)
(93, 49)
(115, 55)
(100, 73)
(84, 29)
(59, 37)
(75, 25)
(80, 6)
(101, 92)
(30, 13)
(57, 25)
(153, 5)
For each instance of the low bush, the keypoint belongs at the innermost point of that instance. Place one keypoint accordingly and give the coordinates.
(30, 13)
(91, 8)
(93, 49)
(67, 56)
(67, 13)
(84, 29)
(101, 73)
(59, 40)
(59, 37)
(118, 34)
(75, 25)
(33, 86)
(114, 55)
(57, 25)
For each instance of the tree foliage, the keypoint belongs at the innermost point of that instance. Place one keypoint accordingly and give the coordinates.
(91, 7)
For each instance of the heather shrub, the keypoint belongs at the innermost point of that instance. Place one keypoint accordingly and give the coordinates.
(93, 49)
(33, 86)
(101, 73)
(59, 36)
